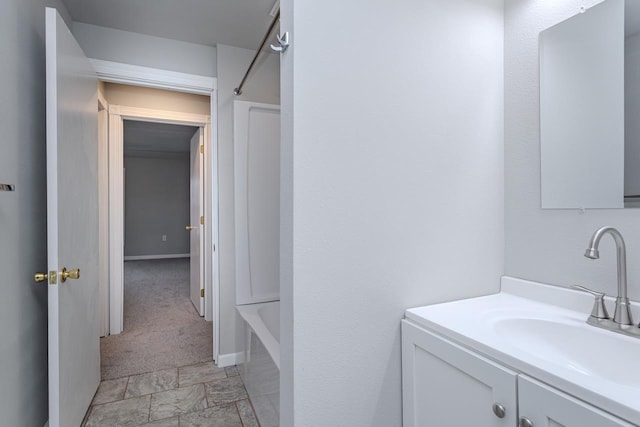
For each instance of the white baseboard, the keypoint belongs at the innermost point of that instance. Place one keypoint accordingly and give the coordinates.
(230, 359)
(145, 257)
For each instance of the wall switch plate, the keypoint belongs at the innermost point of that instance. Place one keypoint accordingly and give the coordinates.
(164, 237)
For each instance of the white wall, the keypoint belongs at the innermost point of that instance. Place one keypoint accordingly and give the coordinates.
(156, 203)
(548, 245)
(262, 86)
(393, 168)
(23, 306)
(147, 51)
(156, 99)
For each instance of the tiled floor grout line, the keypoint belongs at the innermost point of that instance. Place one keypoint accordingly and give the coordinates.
(178, 378)
(206, 398)
(149, 415)
(239, 415)
(126, 387)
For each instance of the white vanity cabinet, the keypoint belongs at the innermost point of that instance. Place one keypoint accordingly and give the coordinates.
(444, 384)
(545, 406)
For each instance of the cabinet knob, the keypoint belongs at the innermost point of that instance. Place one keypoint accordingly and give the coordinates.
(525, 422)
(499, 410)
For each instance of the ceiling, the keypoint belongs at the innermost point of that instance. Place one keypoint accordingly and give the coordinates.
(240, 23)
(156, 137)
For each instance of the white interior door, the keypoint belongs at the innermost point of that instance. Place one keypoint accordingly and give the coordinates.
(196, 227)
(72, 225)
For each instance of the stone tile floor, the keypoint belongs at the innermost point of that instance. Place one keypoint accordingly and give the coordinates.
(197, 395)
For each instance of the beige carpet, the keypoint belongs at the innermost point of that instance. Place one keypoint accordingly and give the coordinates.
(162, 329)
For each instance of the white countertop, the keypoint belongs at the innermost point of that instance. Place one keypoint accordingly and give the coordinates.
(574, 363)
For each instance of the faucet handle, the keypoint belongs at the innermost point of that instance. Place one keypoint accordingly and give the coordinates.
(599, 310)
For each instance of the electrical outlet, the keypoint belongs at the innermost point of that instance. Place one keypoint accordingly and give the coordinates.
(164, 237)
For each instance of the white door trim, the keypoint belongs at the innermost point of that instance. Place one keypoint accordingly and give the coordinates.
(116, 72)
(103, 211)
(150, 115)
(211, 206)
(161, 79)
(117, 114)
(116, 224)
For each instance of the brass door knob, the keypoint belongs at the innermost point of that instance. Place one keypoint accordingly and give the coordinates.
(42, 277)
(189, 228)
(72, 274)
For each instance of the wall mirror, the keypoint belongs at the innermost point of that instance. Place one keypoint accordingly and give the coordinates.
(590, 108)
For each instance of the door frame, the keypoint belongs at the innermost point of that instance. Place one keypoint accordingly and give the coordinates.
(196, 214)
(117, 115)
(114, 72)
(103, 211)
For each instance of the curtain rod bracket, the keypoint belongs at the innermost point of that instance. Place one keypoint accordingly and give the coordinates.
(284, 43)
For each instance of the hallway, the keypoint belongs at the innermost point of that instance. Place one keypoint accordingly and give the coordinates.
(160, 370)
(162, 329)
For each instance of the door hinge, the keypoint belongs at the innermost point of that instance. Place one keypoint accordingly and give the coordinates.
(202, 149)
(201, 293)
(214, 247)
(202, 219)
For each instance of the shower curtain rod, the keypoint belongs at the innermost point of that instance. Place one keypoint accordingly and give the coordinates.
(238, 91)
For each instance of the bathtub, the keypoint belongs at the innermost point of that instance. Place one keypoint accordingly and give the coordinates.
(261, 370)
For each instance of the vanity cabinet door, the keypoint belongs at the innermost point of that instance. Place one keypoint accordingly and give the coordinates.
(545, 406)
(444, 384)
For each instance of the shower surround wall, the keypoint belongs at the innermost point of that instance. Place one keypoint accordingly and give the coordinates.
(392, 167)
(547, 245)
(263, 86)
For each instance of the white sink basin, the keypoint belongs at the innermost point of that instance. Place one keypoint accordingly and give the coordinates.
(582, 348)
(542, 330)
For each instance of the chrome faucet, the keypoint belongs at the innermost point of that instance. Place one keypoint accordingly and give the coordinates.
(622, 314)
(622, 321)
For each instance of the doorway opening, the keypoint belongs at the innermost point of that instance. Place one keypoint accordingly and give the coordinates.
(159, 268)
(162, 312)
